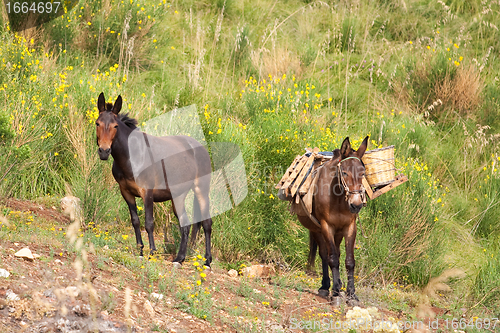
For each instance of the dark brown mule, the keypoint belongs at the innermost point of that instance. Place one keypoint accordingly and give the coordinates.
(188, 167)
(338, 197)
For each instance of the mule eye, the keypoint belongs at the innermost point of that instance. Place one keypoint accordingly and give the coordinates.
(97, 124)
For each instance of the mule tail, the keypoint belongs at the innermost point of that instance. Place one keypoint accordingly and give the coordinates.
(197, 221)
(311, 260)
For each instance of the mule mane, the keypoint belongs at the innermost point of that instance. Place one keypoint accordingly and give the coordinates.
(130, 122)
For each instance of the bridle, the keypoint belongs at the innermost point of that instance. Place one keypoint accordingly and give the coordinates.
(343, 183)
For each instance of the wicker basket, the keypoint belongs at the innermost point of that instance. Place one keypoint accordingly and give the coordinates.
(380, 167)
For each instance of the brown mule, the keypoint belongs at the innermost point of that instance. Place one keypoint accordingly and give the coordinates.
(156, 169)
(338, 197)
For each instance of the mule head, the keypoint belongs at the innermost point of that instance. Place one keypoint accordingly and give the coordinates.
(107, 125)
(351, 171)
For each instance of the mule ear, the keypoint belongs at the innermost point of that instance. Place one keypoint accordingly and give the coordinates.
(336, 155)
(362, 147)
(118, 105)
(345, 149)
(101, 103)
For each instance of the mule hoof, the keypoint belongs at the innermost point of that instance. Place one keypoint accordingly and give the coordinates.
(176, 264)
(140, 248)
(179, 260)
(352, 301)
(335, 301)
(323, 293)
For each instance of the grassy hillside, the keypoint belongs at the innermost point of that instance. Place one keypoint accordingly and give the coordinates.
(276, 77)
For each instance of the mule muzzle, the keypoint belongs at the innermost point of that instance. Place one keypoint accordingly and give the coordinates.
(104, 153)
(355, 208)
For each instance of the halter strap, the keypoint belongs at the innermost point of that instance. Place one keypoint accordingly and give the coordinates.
(349, 158)
(344, 183)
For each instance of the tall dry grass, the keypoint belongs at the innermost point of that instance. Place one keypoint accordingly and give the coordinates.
(462, 92)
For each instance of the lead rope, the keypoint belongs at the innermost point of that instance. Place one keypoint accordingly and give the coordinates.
(360, 228)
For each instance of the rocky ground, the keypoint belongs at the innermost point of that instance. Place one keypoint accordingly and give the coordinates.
(52, 291)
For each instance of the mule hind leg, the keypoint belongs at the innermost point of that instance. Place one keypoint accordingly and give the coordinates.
(178, 204)
(311, 259)
(338, 239)
(201, 192)
(324, 290)
(195, 228)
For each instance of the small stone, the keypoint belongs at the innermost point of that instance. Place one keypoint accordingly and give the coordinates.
(178, 330)
(62, 325)
(72, 291)
(149, 309)
(105, 315)
(232, 273)
(49, 293)
(25, 253)
(4, 273)
(157, 296)
(276, 328)
(81, 311)
(258, 271)
(11, 296)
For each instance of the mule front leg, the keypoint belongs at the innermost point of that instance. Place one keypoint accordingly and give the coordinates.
(350, 240)
(149, 223)
(134, 218)
(333, 257)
